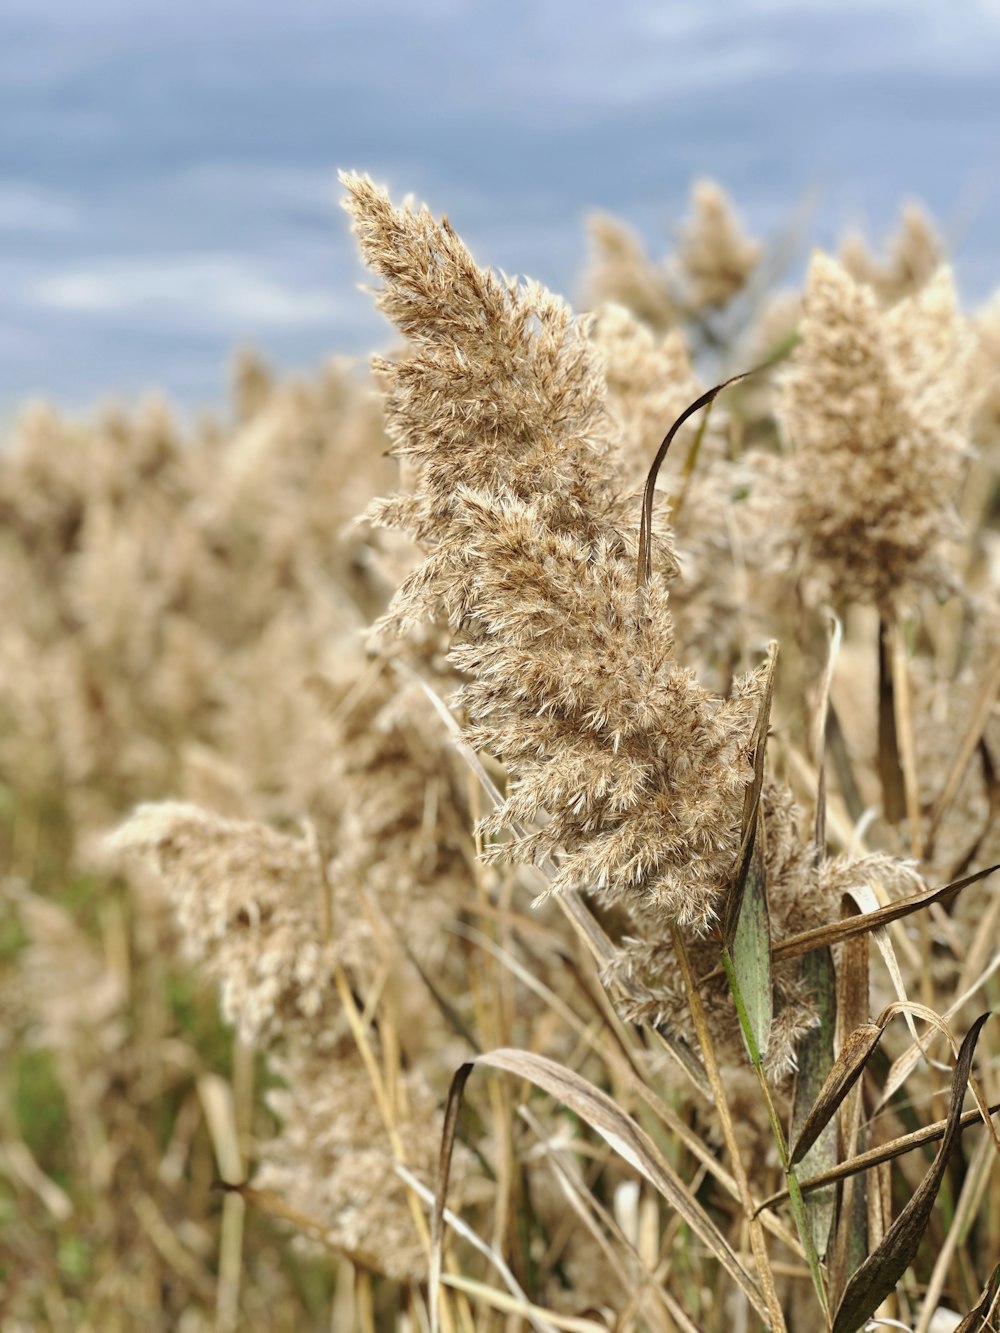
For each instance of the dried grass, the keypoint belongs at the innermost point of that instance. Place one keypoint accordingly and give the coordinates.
(630, 873)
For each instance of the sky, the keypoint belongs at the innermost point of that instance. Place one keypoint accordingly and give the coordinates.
(168, 168)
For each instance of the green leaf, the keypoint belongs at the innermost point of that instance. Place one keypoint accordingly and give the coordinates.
(751, 952)
(815, 1058)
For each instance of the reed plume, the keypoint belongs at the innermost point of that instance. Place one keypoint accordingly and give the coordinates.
(878, 407)
(636, 772)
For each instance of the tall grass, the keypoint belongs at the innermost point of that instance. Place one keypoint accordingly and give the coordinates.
(605, 939)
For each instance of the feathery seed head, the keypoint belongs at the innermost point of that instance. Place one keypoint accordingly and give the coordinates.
(716, 256)
(636, 772)
(878, 407)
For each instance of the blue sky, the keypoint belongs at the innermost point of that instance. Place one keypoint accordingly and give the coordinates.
(167, 169)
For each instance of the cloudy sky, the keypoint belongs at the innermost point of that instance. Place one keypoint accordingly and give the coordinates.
(168, 168)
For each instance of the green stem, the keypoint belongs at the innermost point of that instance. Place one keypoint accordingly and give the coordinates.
(777, 1130)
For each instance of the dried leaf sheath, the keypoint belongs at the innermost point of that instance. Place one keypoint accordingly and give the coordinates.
(635, 770)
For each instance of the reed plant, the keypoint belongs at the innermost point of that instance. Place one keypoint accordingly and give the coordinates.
(590, 843)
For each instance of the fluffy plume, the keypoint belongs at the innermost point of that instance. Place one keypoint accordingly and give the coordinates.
(619, 272)
(986, 374)
(637, 771)
(250, 905)
(256, 910)
(716, 256)
(878, 408)
(648, 380)
(914, 255)
(332, 1159)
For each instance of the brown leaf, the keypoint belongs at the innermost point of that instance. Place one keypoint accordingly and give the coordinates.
(890, 770)
(626, 1137)
(855, 1053)
(458, 1082)
(883, 1153)
(751, 804)
(850, 1242)
(976, 1320)
(644, 567)
(838, 931)
(878, 1275)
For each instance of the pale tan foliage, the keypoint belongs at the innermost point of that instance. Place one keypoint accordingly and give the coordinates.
(620, 765)
(878, 407)
(914, 255)
(713, 262)
(776, 323)
(270, 914)
(648, 380)
(716, 256)
(258, 910)
(180, 616)
(160, 590)
(78, 1000)
(332, 1159)
(637, 770)
(946, 705)
(250, 903)
(401, 856)
(252, 384)
(620, 272)
(986, 375)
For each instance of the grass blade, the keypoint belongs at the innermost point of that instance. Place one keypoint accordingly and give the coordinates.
(903, 1066)
(644, 563)
(815, 1057)
(866, 902)
(885, 1152)
(524, 1309)
(978, 1318)
(454, 1102)
(751, 804)
(631, 1142)
(855, 1053)
(981, 713)
(489, 1254)
(838, 931)
(878, 1275)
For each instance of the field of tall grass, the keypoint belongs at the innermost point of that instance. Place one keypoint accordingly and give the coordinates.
(484, 846)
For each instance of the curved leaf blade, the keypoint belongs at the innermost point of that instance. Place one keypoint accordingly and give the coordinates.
(878, 1276)
(627, 1138)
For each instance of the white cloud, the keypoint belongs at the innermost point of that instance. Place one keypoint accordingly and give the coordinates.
(216, 290)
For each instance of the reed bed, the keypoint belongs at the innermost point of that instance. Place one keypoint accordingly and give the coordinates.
(507, 842)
